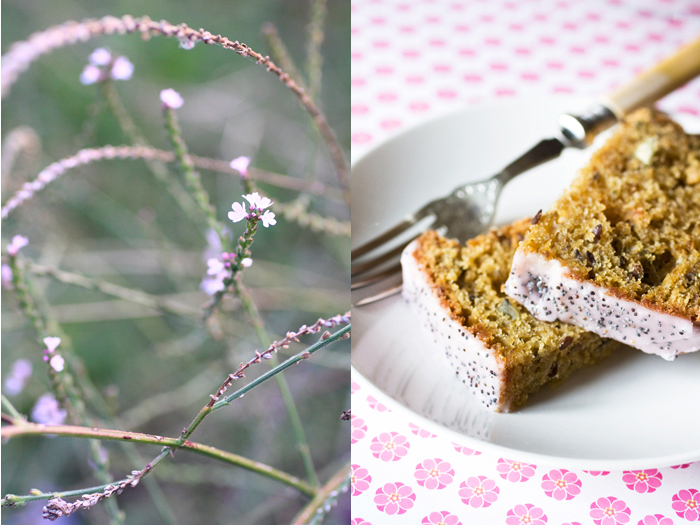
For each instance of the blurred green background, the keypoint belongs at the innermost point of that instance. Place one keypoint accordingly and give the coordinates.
(114, 221)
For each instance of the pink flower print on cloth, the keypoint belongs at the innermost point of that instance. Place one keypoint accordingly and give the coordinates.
(415, 429)
(526, 514)
(354, 387)
(561, 484)
(515, 471)
(434, 474)
(359, 521)
(687, 504)
(359, 479)
(478, 491)
(389, 446)
(609, 511)
(642, 481)
(441, 518)
(373, 403)
(465, 450)
(597, 472)
(682, 465)
(655, 519)
(394, 498)
(358, 429)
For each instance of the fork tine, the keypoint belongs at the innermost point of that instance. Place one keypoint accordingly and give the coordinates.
(386, 236)
(373, 263)
(378, 297)
(394, 269)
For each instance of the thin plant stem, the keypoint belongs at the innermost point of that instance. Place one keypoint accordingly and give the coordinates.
(24, 428)
(283, 343)
(152, 485)
(23, 53)
(63, 385)
(129, 294)
(340, 334)
(155, 166)
(314, 58)
(216, 403)
(167, 402)
(302, 443)
(281, 54)
(104, 153)
(325, 498)
(19, 427)
(21, 150)
(57, 507)
(126, 123)
(11, 408)
(192, 177)
(275, 179)
(296, 211)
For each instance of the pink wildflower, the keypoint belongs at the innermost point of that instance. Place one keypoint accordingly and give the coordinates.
(57, 362)
(21, 371)
(52, 343)
(171, 99)
(240, 164)
(47, 411)
(268, 219)
(18, 242)
(100, 57)
(239, 212)
(6, 275)
(90, 75)
(256, 201)
(122, 69)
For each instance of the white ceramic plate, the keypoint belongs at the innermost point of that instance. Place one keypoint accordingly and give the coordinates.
(631, 411)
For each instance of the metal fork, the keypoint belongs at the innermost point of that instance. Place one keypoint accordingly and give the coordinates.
(469, 209)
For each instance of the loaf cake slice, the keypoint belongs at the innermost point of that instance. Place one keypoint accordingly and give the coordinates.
(619, 253)
(501, 352)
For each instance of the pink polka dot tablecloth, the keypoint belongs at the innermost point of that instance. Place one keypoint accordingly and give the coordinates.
(413, 61)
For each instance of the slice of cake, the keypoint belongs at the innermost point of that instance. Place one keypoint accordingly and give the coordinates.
(619, 253)
(501, 352)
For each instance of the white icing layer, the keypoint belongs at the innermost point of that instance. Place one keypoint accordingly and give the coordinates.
(548, 290)
(475, 363)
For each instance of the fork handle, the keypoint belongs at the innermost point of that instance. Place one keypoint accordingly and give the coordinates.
(579, 130)
(658, 81)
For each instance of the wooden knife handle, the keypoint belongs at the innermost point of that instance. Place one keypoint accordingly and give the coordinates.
(660, 80)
